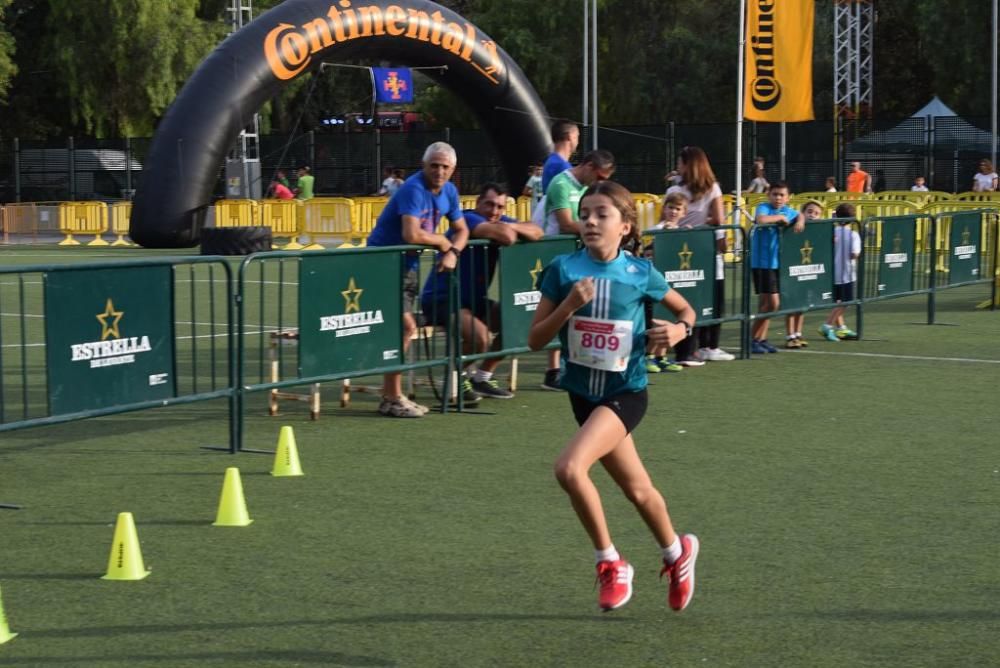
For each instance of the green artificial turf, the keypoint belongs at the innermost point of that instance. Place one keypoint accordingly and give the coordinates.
(844, 497)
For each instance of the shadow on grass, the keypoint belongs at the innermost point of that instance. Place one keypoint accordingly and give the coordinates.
(51, 576)
(111, 523)
(392, 618)
(319, 658)
(909, 615)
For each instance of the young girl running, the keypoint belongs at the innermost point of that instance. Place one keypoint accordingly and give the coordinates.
(593, 299)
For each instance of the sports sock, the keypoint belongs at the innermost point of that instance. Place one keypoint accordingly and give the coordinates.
(672, 552)
(482, 376)
(607, 554)
(789, 337)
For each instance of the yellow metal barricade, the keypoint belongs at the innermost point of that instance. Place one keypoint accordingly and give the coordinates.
(883, 209)
(647, 208)
(919, 197)
(467, 201)
(34, 218)
(20, 218)
(519, 208)
(331, 217)
(236, 213)
(282, 216)
(987, 196)
(942, 245)
(121, 212)
(368, 209)
(83, 218)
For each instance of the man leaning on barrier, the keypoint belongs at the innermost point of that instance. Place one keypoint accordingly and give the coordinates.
(411, 217)
(480, 316)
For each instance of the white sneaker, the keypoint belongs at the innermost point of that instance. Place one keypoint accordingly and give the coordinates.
(399, 407)
(716, 355)
(420, 407)
(691, 362)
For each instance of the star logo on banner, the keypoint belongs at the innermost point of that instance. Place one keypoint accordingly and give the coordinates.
(110, 329)
(807, 252)
(897, 243)
(966, 236)
(535, 272)
(352, 297)
(685, 255)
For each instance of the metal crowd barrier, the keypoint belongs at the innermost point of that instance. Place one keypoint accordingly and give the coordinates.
(80, 341)
(324, 301)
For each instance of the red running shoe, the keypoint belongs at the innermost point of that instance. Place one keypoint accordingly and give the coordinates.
(615, 580)
(680, 574)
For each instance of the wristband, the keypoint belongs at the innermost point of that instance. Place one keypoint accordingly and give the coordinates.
(689, 329)
(453, 250)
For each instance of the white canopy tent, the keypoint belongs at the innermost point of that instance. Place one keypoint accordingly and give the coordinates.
(934, 124)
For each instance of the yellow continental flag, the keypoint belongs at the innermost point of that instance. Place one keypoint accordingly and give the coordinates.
(779, 43)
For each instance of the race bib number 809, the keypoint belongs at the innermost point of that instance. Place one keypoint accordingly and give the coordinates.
(600, 344)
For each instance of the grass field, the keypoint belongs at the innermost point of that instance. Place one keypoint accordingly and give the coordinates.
(845, 497)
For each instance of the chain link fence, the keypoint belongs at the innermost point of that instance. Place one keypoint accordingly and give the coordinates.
(944, 150)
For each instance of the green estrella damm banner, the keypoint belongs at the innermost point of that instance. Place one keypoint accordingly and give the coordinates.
(895, 263)
(965, 247)
(807, 266)
(520, 268)
(687, 260)
(350, 312)
(109, 337)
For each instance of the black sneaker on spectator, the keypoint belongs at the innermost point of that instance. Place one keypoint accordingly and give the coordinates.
(551, 381)
(469, 395)
(491, 389)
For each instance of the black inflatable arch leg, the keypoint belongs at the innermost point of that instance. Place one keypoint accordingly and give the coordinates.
(294, 38)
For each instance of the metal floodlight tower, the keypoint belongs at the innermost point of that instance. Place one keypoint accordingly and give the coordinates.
(243, 161)
(853, 61)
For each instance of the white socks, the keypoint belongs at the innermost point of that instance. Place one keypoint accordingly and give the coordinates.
(607, 554)
(482, 376)
(672, 552)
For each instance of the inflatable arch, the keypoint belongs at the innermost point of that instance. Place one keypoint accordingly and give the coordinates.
(252, 65)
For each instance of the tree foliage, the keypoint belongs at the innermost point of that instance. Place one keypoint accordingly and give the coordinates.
(111, 67)
(7, 67)
(145, 50)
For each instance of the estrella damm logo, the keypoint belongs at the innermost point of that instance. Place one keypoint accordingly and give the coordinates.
(352, 297)
(353, 320)
(538, 268)
(290, 49)
(897, 258)
(685, 255)
(807, 252)
(807, 271)
(530, 299)
(112, 348)
(967, 249)
(684, 277)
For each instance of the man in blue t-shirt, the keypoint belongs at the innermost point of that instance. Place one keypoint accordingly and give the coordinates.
(411, 217)
(480, 316)
(765, 258)
(565, 139)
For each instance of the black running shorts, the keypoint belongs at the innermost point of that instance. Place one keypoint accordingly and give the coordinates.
(630, 407)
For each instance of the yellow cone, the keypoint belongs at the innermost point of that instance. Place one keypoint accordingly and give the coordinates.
(232, 505)
(5, 633)
(125, 561)
(286, 458)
